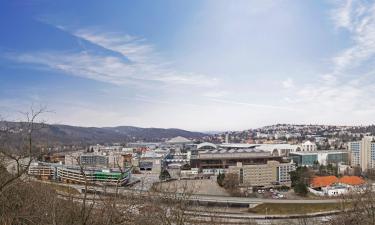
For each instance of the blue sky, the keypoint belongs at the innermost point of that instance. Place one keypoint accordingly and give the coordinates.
(197, 64)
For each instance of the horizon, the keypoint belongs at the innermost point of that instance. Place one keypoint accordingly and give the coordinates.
(196, 65)
(200, 131)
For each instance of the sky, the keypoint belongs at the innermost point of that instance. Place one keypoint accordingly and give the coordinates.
(202, 65)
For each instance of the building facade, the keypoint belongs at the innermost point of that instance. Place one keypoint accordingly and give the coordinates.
(219, 160)
(362, 153)
(263, 175)
(76, 174)
(308, 146)
(322, 157)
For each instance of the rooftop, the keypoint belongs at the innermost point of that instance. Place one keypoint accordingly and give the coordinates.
(178, 139)
(351, 180)
(233, 151)
(238, 145)
(325, 181)
(319, 151)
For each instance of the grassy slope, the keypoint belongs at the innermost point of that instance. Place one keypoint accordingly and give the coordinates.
(290, 208)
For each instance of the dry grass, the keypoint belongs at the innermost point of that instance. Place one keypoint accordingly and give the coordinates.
(63, 189)
(291, 208)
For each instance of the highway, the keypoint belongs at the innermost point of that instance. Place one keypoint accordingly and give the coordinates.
(220, 200)
(244, 200)
(224, 216)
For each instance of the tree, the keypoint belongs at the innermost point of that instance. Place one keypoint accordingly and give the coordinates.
(300, 180)
(357, 171)
(358, 208)
(231, 183)
(17, 147)
(301, 175)
(220, 179)
(164, 175)
(300, 189)
(315, 164)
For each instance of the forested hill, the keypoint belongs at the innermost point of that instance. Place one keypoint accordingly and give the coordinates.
(65, 134)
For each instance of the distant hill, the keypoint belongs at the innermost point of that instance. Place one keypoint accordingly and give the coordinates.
(65, 134)
(153, 133)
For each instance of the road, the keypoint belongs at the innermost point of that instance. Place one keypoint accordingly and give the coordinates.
(223, 200)
(241, 217)
(244, 200)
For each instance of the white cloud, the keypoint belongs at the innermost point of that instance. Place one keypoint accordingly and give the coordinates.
(134, 48)
(142, 55)
(142, 63)
(251, 105)
(358, 18)
(288, 83)
(215, 94)
(344, 95)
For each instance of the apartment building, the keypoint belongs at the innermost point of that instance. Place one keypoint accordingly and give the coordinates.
(263, 175)
(362, 153)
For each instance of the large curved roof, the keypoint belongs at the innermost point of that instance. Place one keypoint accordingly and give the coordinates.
(179, 139)
(238, 145)
(206, 144)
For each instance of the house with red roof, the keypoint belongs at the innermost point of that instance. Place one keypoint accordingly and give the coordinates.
(333, 186)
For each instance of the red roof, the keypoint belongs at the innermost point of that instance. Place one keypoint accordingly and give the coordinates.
(324, 181)
(351, 180)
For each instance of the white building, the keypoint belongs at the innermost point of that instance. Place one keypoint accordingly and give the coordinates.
(362, 153)
(336, 190)
(151, 162)
(278, 149)
(308, 146)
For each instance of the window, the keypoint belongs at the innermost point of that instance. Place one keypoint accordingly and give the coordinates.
(241, 176)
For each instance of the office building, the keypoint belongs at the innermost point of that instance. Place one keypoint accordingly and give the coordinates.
(79, 175)
(263, 175)
(219, 160)
(323, 157)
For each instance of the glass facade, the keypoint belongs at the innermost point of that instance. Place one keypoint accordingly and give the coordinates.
(337, 158)
(305, 159)
(309, 160)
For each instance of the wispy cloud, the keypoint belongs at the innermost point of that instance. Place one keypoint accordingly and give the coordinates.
(140, 62)
(345, 92)
(134, 48)
(144, 56)
(358, 18)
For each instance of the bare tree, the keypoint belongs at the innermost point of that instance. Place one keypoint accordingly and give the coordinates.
(358, 208)
(17, 148)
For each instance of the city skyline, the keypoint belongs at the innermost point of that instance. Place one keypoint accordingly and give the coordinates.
(196, 65)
